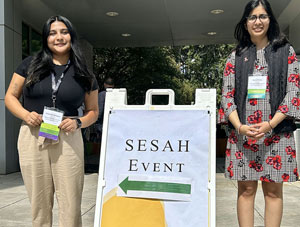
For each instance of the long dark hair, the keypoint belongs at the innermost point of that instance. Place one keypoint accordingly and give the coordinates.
(275, 37)
(41, 64)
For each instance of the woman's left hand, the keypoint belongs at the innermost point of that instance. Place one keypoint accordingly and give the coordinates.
(68, 125)
(263, 128)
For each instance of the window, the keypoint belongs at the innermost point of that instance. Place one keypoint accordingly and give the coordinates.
(31, 41)
(25, 41)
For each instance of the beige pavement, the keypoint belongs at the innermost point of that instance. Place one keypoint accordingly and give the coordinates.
(15, 207)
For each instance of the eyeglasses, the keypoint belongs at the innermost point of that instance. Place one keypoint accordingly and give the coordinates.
(262, 18)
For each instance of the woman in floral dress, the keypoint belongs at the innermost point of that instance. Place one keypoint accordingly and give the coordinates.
(261, 144)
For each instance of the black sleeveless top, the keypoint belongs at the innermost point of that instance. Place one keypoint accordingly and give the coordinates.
(70, 94)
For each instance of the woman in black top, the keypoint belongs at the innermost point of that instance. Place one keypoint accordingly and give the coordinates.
(56, 77)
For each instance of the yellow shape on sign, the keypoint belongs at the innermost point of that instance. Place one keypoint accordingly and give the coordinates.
(132, 212)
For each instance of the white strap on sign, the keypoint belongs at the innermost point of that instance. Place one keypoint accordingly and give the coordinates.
(157, 163)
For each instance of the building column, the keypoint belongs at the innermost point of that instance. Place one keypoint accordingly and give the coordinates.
(10, 58)
(295, 34)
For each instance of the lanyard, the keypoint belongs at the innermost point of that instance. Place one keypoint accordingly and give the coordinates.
(55, 85)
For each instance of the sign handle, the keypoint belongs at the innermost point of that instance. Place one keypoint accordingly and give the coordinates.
(152, 92)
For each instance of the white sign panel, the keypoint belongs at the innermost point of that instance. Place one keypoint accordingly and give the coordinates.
(156, 169)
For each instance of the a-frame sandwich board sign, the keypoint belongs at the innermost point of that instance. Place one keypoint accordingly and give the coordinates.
(157, 163)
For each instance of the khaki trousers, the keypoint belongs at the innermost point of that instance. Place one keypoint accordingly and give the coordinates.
(48, 166)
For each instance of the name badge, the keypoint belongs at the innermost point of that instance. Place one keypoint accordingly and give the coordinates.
(52, 118)
(257, 85)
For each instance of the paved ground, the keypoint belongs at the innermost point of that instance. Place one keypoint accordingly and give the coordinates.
(15, 208)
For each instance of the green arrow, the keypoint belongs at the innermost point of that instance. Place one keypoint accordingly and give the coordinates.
(126, 185)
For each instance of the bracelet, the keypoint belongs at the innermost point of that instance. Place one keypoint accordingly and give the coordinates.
(239, 128)
(270, 125)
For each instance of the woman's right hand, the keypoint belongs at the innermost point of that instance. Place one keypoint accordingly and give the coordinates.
(33, 119)
(12, 101)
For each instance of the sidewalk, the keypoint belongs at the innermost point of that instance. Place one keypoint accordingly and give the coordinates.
(15, 207)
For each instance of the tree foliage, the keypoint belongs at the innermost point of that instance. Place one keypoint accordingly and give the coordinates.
(203, 64)
(182, 69)
(137, 69)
